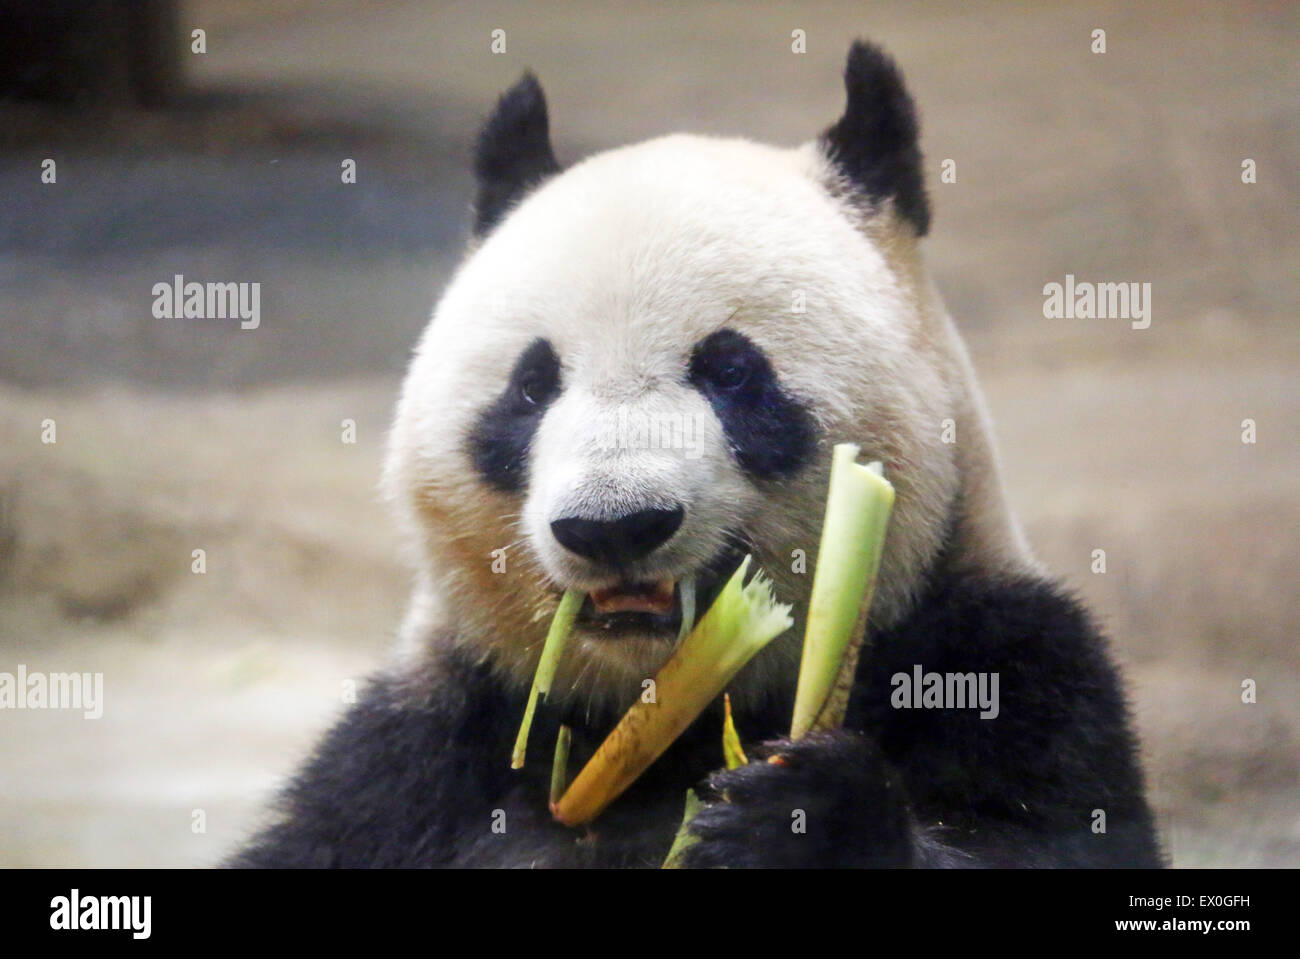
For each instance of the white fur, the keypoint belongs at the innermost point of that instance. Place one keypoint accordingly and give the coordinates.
(624, 262)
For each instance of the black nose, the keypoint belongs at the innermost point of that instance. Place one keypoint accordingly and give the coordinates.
(617, 542)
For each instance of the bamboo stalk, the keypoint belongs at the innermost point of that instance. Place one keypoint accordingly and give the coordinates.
(742, 620)
(556, 637)
(858, 504)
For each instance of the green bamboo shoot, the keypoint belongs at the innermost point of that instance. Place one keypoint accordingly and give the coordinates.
(853, 537)
(556, 638)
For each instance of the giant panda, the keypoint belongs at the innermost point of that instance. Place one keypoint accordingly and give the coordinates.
(775, 300)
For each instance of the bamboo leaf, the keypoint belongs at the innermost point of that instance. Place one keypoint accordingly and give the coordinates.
(684, 838)
(732, 752)
(560, 765)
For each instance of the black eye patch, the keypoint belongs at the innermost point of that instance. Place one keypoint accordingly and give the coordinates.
(503, 433)
(771, 433)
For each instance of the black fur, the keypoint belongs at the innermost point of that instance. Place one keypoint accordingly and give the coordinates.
(771, 433)
(513, 153)
(828, 779)
(875, 143)
(1016, 790)
(396, 785)
(401, 785)
(503, 433)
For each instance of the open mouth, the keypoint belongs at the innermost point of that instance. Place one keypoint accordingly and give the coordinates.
(655, 607)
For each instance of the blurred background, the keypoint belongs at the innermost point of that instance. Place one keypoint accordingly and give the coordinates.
(177, 435)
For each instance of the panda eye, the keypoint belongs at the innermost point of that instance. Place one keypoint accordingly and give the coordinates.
(530, 391)
(726, 363)
(731, 376)
(536, 377)
(770, 432)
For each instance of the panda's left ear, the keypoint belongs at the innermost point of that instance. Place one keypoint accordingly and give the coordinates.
(513, 153)
(874, 145)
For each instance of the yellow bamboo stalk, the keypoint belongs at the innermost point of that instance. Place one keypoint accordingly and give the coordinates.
(743, 619)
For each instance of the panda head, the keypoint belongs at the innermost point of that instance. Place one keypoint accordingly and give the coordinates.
(638, 373)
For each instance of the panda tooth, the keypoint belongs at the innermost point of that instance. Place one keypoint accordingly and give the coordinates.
(688, 606)
(644, 597)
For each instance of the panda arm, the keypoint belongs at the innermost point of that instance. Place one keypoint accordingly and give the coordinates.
(397, 782)
(943, 787)
(1027, 787)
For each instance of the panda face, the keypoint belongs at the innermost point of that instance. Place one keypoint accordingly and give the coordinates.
(637, 498)
(636, 378)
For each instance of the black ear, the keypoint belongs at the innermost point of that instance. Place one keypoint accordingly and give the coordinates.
(875, 143)
(513, 153)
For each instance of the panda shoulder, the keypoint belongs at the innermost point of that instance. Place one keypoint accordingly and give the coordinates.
(1028, 628)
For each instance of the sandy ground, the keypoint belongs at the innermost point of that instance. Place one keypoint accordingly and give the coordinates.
(1123, 166)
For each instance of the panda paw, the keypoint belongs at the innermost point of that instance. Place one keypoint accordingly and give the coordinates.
(828, 800)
